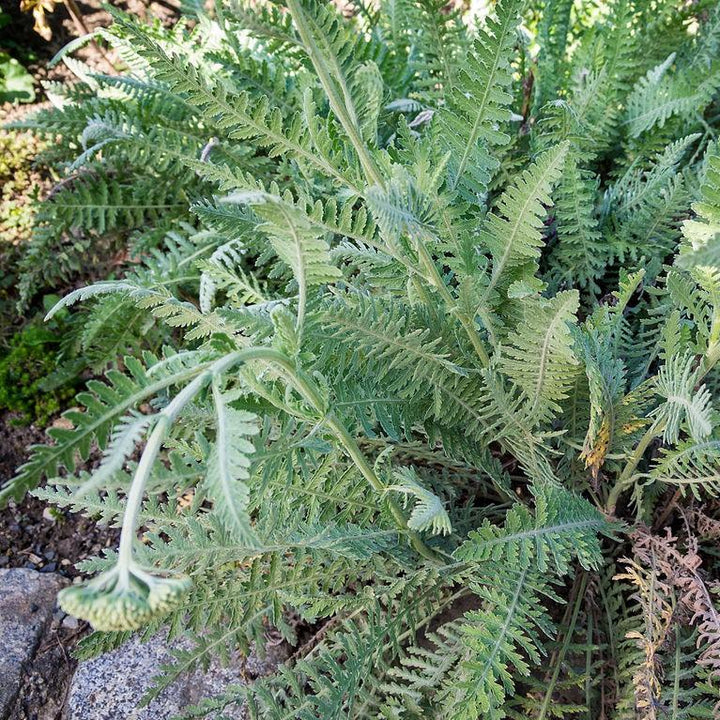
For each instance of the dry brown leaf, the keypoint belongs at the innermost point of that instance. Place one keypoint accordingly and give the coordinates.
(39, 8)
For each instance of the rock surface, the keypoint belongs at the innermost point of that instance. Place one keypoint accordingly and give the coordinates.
(27, 600)
(110, 687)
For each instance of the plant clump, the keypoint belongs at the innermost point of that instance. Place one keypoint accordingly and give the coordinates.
(423, 326)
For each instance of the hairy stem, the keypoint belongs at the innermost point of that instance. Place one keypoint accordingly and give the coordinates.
(341, 106)
(437, 281)
(626, 476)
(362, 464)
(308, 390)
(147, 460)
(310, 393)
(166, 417)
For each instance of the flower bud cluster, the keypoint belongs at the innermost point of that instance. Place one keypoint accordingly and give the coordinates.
(125, 599)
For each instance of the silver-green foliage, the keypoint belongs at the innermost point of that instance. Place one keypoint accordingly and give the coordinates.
(426, 330)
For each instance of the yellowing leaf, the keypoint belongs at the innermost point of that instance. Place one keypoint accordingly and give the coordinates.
(39, 8)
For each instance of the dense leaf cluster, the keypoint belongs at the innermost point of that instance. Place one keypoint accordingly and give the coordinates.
(440, 298)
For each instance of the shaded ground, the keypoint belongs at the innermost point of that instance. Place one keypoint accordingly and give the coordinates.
(35, 539)
(20, 39)
(31, 536)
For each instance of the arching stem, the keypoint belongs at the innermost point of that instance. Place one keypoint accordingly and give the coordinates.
(310, 393)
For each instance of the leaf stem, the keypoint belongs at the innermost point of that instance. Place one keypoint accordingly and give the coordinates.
(165, 419)
(559, 659)
(343, 109)
(437, 282)
(626, 476)
(307, 389)
(362, 464)
(708, 361)
(147, 460)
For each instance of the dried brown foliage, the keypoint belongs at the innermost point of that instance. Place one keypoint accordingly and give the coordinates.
(671, 588)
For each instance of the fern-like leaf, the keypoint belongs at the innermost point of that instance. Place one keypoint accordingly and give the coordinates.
(693, 465)
(228, 466)
(551, 537)
(544, 335)
(512, 234)
(428, 513)
(685, 407)
(478, 104)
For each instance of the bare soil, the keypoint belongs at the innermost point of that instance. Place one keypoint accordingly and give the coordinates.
(28, 537)
(31, 536)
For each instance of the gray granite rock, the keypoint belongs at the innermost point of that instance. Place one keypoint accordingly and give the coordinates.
(109, 687)
(27, 601)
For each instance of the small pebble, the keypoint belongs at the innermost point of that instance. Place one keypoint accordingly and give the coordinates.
(70, 622)
(48, 514)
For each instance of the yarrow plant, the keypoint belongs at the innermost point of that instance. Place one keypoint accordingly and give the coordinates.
(420, 349)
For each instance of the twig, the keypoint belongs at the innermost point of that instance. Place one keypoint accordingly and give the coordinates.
(82, 29)
(668, 509)
(315, 639)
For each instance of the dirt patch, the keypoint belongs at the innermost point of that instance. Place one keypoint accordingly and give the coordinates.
(30, 536)
(21, 40)
(14, 442)
(33, 537)
(49, 541)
